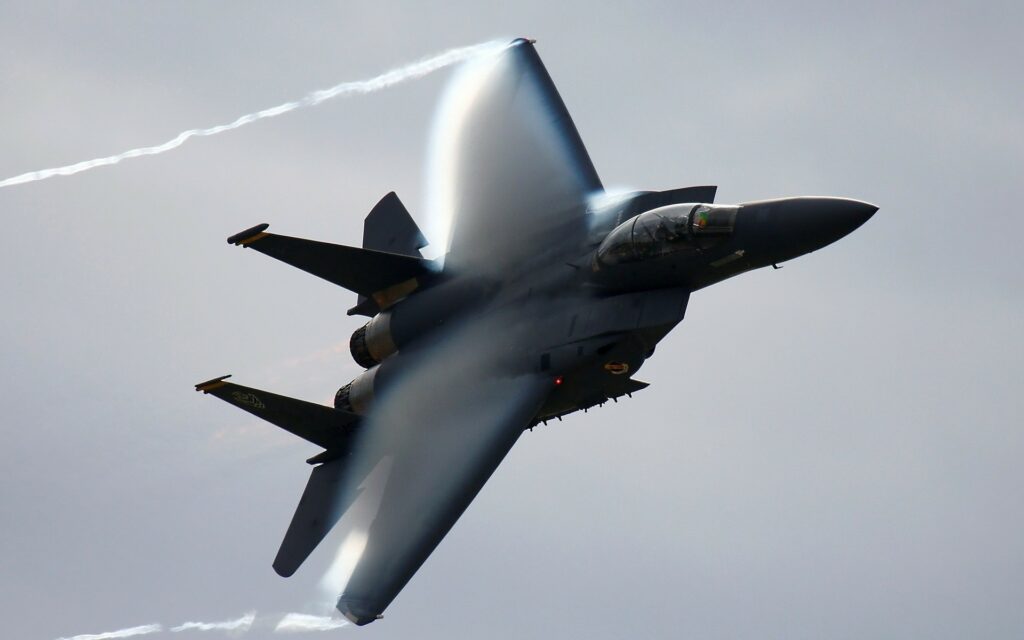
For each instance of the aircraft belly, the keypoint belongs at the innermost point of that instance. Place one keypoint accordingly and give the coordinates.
(606, 343)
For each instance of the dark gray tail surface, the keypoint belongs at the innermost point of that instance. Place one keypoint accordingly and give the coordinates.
(330, 428)
(364, 271)
(334, 430)
(389, 227)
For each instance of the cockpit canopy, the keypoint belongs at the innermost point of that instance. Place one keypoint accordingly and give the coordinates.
(672, 229)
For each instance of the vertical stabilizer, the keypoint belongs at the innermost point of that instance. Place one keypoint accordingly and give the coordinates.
(389, 227)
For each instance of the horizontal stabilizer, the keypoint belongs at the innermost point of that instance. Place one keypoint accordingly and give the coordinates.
(319, 510)
(380, 275)
(327, 427)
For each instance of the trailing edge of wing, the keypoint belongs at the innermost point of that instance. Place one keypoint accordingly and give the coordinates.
(380, 275)
(324, 426)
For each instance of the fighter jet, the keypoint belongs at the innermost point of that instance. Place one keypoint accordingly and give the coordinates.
(550, 297)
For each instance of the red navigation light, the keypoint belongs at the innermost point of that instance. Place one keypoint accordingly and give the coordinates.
(558, 380)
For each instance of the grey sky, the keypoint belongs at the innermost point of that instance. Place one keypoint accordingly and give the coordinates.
(830, 450)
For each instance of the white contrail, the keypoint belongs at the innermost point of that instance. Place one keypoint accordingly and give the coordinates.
(120, 633)
(290, 623)
(383, 81)
(298, 622)
(241, 624)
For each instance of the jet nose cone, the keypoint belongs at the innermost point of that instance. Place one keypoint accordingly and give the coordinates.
(794, 226)
(844, 214)
(823, 220)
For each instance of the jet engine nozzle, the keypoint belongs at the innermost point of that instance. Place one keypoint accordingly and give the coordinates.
(789, 227)
(357, 396)
(373, 342)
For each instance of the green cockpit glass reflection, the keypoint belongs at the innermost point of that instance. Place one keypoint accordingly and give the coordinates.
(678, 228)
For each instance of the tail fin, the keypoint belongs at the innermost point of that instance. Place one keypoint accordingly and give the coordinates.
(389, 227)
(380, 276)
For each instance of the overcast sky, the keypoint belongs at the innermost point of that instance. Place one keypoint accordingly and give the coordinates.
(832, 450)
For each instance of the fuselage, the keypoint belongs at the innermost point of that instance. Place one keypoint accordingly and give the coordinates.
(588, 312)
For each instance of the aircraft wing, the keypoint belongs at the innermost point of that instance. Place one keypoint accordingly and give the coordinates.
(435, 439)
(514, 173)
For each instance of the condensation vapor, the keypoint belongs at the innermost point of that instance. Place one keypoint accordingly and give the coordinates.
(442, 153)
(288, 623)
(240, 624)
(390, 78)
(141, 630)
(299, 622)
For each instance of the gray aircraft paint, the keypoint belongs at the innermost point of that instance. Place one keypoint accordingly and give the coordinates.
(883, 505)
(559, 318)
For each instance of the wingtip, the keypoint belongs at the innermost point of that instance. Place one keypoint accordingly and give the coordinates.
(283, 570)
(357, 614)
(251, 234)
(212, 384)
